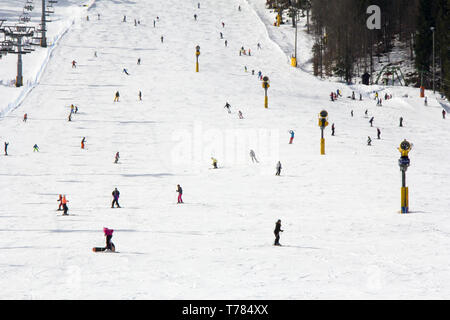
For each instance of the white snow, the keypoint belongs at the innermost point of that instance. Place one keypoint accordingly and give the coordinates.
(343, 238)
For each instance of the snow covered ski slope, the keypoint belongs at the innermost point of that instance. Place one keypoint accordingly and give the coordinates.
(343, 236)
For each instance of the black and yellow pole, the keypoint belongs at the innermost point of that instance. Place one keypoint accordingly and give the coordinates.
(197, 53)
(266, 86)
(403, 163)
(323, 123)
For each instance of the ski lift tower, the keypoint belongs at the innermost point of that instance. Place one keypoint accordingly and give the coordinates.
(46, 10)
(15, 44)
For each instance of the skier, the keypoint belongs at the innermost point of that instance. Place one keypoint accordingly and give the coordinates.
(277, 233)
(124, 19)
(369, 141)
(360, 97)
(292, 133)
(443, 114)
(25, 117)
(228, 106)
(70, 117)
(139, 61)
(245, 68)
(76, 109)
(116, 195)
(72, 108)
(226, 43)
(401, 122)
(180, 193)
(249, 52)
(426, 102)
(74, 64)
(6, 148)
(332, 129)
(195, 17)
(87, 18)
(278, 168)
(82, 142)
(332, 96)
(259, 74)
(140, 96)
(371, 122)
(351, 112)
(366, 112)
(353, 95)
(162, 39)
(154, 24)
(64, 203)
(221, 35)
(214, 162)
(117, 157)
(198, 5)
(60, 202)
(240, 115)
(378, 133)
(135, 22)
(126, 71)
(116, 98)
(253, 156)
(253, 72)
(98, 16)
(239, 8)
(95, 54)
(223, 24)
(258, 46)
(35, 148)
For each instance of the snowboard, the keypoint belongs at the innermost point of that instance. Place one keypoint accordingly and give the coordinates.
(101, 249)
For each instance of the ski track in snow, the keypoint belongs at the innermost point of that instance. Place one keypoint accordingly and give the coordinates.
(343, 235)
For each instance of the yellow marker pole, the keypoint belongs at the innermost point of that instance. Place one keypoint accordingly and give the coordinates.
(294, 62)
(197, 53)
(322, 146)
(404, 204)
(266, 101)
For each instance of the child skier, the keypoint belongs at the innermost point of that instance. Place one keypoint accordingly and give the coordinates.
(277, 233)
(60, 202)
(35, 148)
(291, 132)
(180, 193)
(115, 195)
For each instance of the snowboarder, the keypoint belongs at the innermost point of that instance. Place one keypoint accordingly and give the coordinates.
(74, 64)
(116, 157)
(378, 133)
(401, 122)
(64, 203)
(25, 117)
(180, 193)
(369, 141)
(82, 142)
(126, 71)
(332, 129)
(228, 106)
(116, 98)
(115, 195)
(140, 96)
(443, 114)
(277, 233)
(240, 115)
(6, 148)
(109, 245)
(214, 162)
(60, 202)
(253, 156)
(278, 168)
(371, 122)
(292, 133)
(35, 148)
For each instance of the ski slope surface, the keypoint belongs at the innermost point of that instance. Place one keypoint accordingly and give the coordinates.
(343, 235)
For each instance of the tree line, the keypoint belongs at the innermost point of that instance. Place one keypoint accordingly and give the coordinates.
(346, 47)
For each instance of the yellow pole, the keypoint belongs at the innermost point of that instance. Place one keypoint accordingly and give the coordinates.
(405, 200)
(196, 67)
(322, 146)
(266, 102)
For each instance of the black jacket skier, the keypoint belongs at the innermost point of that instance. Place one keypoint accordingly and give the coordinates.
(116, 195)
(277, 233)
